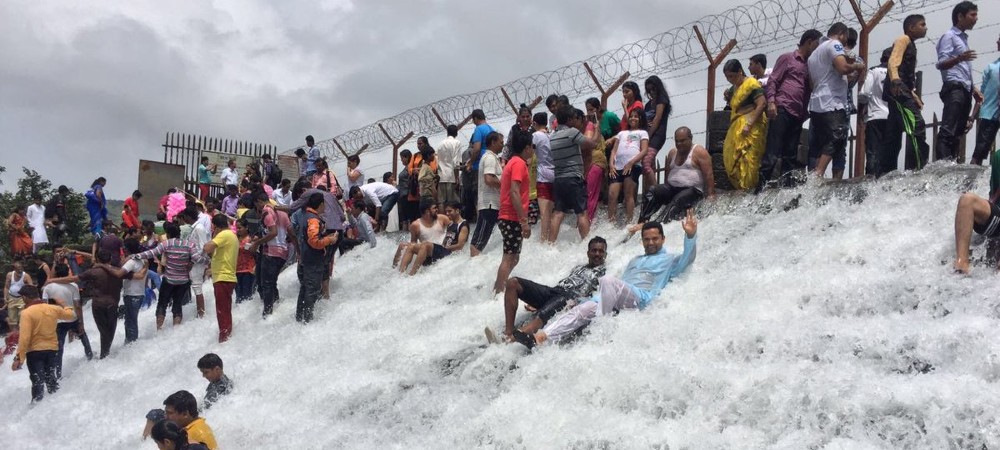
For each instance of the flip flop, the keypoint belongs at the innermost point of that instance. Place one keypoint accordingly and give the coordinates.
(491, 337)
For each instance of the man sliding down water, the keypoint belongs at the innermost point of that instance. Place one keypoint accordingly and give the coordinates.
(978, 214)
(644, 277)
(581, 282)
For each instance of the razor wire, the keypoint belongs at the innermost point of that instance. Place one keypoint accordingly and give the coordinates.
(763, 23)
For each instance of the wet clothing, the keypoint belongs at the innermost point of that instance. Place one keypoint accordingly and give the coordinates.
(434, 233)
(104, 289)
(42, 372)
(991, 228)
(486, 220)
(581, 282)
(313, 246)
(180, 256)
(199, 431)
(510, 232)
(217, 389)
(453, 232)
(641, 282)
(677, 200)
(37, 329)
(685, 174)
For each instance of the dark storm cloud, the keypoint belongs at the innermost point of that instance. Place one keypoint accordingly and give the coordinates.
(95, 89)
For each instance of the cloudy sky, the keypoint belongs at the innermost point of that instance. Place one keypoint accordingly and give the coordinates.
(89, 88)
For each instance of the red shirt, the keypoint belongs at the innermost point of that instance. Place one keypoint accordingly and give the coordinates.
(516, 171)
(130, 214)
(245, 259)
(635, 105)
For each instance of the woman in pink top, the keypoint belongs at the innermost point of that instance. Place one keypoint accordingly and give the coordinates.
(324, 177)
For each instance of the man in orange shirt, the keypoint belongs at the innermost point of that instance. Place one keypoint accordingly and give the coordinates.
(130, 213)
(314, 243)
(38, 346)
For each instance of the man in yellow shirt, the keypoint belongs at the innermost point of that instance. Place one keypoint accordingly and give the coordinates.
(223, 248)
(182, 408)
(37, 345)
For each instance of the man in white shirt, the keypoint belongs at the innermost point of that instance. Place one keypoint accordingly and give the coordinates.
(69, 293)
(283, 195)
(828, 102)
(199, 236)
(449, 155)
(758, 68)
(35, 214)
(381, 195)
(876, 111)
(230, 176)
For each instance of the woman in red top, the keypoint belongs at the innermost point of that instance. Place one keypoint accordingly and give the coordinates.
(20, 240)
(130, 213)
(631, 101)
(245, 263)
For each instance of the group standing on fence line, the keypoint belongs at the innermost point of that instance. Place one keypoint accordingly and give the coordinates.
(553, 163)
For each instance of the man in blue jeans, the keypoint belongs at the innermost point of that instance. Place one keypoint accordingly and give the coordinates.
(69, 294)
(382, 196)
(133, 288)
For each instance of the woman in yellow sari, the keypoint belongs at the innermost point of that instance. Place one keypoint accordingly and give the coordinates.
(747, 133)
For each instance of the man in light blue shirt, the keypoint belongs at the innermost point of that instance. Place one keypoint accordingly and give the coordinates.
(957, 90)
(312, 155)
(641, 282)
(989, 112)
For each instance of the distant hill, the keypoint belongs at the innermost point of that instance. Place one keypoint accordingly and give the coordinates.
(115, 208)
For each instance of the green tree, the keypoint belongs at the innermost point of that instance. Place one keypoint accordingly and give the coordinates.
(32, 183)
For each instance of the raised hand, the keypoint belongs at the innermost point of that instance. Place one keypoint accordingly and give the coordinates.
(690, 224)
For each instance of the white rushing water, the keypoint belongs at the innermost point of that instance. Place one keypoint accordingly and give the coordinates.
(836, 325)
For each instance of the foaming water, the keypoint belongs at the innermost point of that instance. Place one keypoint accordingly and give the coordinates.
(819, 317)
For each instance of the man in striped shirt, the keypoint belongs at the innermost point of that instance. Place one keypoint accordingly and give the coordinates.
(179, 255)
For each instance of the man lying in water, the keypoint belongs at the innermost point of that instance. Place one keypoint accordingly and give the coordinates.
(643, 279)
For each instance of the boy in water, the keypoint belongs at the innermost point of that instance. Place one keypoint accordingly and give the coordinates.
(219, 384)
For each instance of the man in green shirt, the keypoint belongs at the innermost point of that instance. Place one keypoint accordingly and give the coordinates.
(205, 171)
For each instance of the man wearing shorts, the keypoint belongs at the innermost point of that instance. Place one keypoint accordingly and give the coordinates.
(546, 174)
(514, 198)
(546, 301)
(828, 101)
(567, 145)
(455, 236)
(978, 214)
(488, 199)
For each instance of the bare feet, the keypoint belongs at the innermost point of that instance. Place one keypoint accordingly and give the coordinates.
(961, 267)
(540, 338)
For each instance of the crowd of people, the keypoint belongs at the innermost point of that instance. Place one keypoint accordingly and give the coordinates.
(564, 160)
